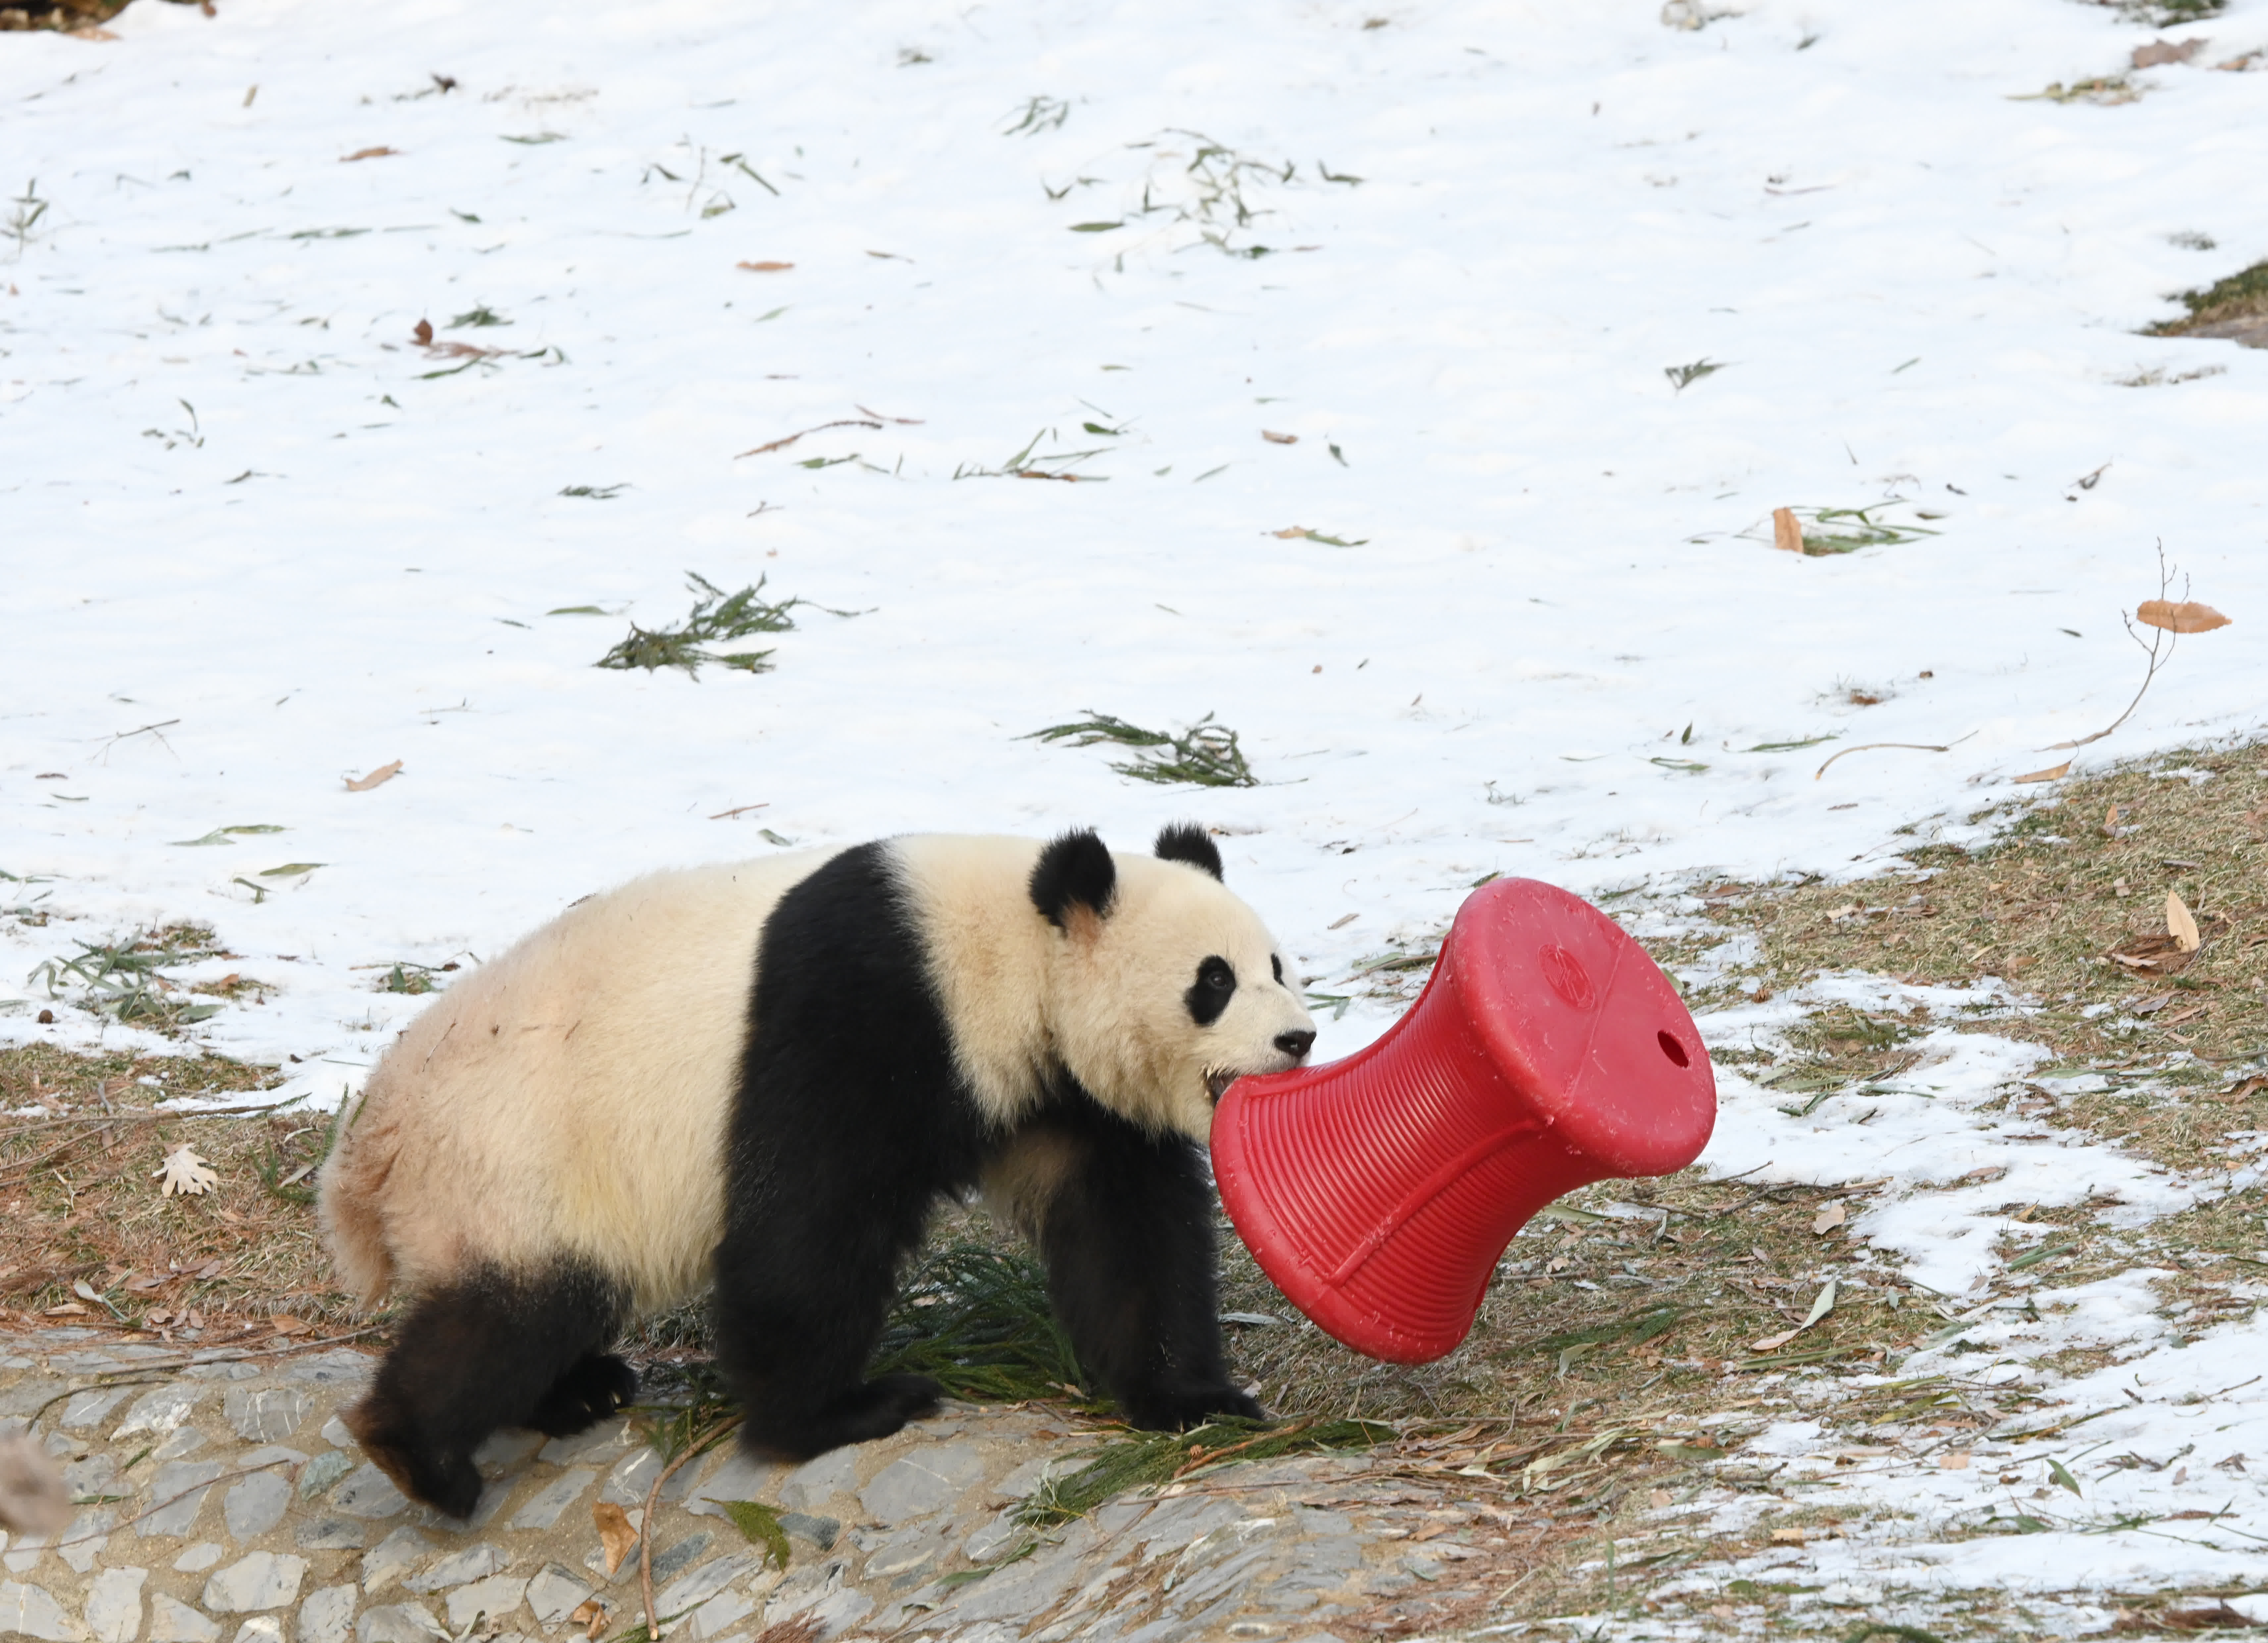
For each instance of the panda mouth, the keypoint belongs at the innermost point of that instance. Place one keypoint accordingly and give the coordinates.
(1217, 1082)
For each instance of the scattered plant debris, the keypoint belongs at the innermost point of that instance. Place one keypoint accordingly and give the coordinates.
(977, 1320)
(716, 618)
(1152, 1458)
(1205, 754)
(126, 981)
(1682, 377)
(1822, 531)
(2235, 309)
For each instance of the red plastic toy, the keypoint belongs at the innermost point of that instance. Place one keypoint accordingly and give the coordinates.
(1547, 1051)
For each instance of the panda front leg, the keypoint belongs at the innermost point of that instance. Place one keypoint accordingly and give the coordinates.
(802, 1291)
(1123, 1219)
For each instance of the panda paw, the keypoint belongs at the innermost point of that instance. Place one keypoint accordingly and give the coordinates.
(594, 1389)
(1177, 1409)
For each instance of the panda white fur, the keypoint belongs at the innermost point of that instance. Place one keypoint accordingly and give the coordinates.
(760, 1077)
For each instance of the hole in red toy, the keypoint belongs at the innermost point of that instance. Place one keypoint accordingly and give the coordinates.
(1671, 1048)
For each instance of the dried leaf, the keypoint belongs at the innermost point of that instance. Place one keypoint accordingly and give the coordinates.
(1787, 1538)
(379, 776)
(1788, 531)
(1820, 1308)
(2181, 925)
(284, 1323)
(1280, 439)
(590, 1615)
(2163, 51)
(1954, 1461)
(2186, 617)
(765, 268)
(185, 1172)
(1829, 1219)
(380, 152)
(423, 334)
(2054, 772)
(617, 1535)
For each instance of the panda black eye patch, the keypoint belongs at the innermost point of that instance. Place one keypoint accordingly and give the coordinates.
(1276, 964)
(1209, 995)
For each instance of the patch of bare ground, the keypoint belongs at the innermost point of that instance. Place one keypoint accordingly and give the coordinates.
(88, 1235)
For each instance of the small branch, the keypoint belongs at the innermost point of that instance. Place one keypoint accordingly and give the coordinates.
(698, 1447)
(1918, 747)
(782, 445)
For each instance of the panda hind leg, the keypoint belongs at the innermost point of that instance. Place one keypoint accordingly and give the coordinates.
(490, 1350)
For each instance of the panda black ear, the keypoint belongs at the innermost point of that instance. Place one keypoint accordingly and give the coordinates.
(1074, 870)
(1186, 841)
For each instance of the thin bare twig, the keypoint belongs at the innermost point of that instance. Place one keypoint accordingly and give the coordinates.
(694, 1448)
(2158, 636)
(1918, 747)
(782, 445)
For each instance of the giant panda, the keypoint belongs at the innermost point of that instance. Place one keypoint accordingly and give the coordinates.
(760, 1079)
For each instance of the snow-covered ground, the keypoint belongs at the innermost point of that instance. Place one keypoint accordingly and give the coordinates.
(257, 541)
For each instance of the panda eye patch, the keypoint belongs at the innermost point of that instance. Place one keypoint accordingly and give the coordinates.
(1210, 993)
(1276, 964)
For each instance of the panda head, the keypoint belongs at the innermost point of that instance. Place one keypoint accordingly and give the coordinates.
(1164, 987)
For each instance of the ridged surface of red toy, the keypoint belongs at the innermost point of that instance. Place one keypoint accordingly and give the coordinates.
(1546, 1052)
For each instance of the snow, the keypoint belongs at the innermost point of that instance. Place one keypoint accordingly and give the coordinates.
(258, 542)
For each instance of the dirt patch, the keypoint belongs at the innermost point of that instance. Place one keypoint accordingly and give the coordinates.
(2236, 308)
(65, 17)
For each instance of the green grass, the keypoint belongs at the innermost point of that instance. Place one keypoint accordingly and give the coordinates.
(716, 616)
(976, 1321)
(1149, 1459)
(127, 982)
(1845, 530)
(1205, 754)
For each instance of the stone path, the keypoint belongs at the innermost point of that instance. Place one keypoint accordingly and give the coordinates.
(219, 1499)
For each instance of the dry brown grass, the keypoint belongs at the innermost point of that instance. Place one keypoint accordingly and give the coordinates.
(79, 1205)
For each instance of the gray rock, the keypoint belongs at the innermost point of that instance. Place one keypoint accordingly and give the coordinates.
(472, 1562)
(160, 1409)
(335, 1434)
(543, 1508)
(321, 1472)
(1025, 1588)
(327, 1616)
(258, 1580)
(496, 1597)
(1033, 1473)
(815, 1482)
(182, 1440)
(261, 1629)
(369, 1492)
(600, 1441)
(267, 1414)
(84, 1408)
(96, 1475)
(398, 1623)
(742, 1477)
(627, 1484)
(820, 1531)
(994, 1538)
(396, 1552)
(113, 1605)
(178, 1491)
(921, 1482)
(329, 1534)
(838, 1611)
(721, 1613)
(223, 1372)
(255, 1505)
(29, 1611)
(271, 1454)
(555, 1593)
(704, 1582)
(84, 1536)
(342, 1367)
(197, 1558)
(669, 1563)
(174, 1621)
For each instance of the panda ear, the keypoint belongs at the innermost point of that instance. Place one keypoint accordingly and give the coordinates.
(1074, 870)
(1186, 841)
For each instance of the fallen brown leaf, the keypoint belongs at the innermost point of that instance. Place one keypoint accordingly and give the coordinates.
(380, 152)
(2180, 924)
(283, 1323)
(1280, 439)
(424, 334)
(1957, 1460)
(615, 1534)
(1829, 1219)
(377, 778)
(2052, 773)
(2185, 617)
(765, 268)
(590, 1615)
(2164, 51)
(1787, 1538)
(1788, 531)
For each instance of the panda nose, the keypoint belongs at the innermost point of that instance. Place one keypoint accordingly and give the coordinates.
(1296, 1045)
